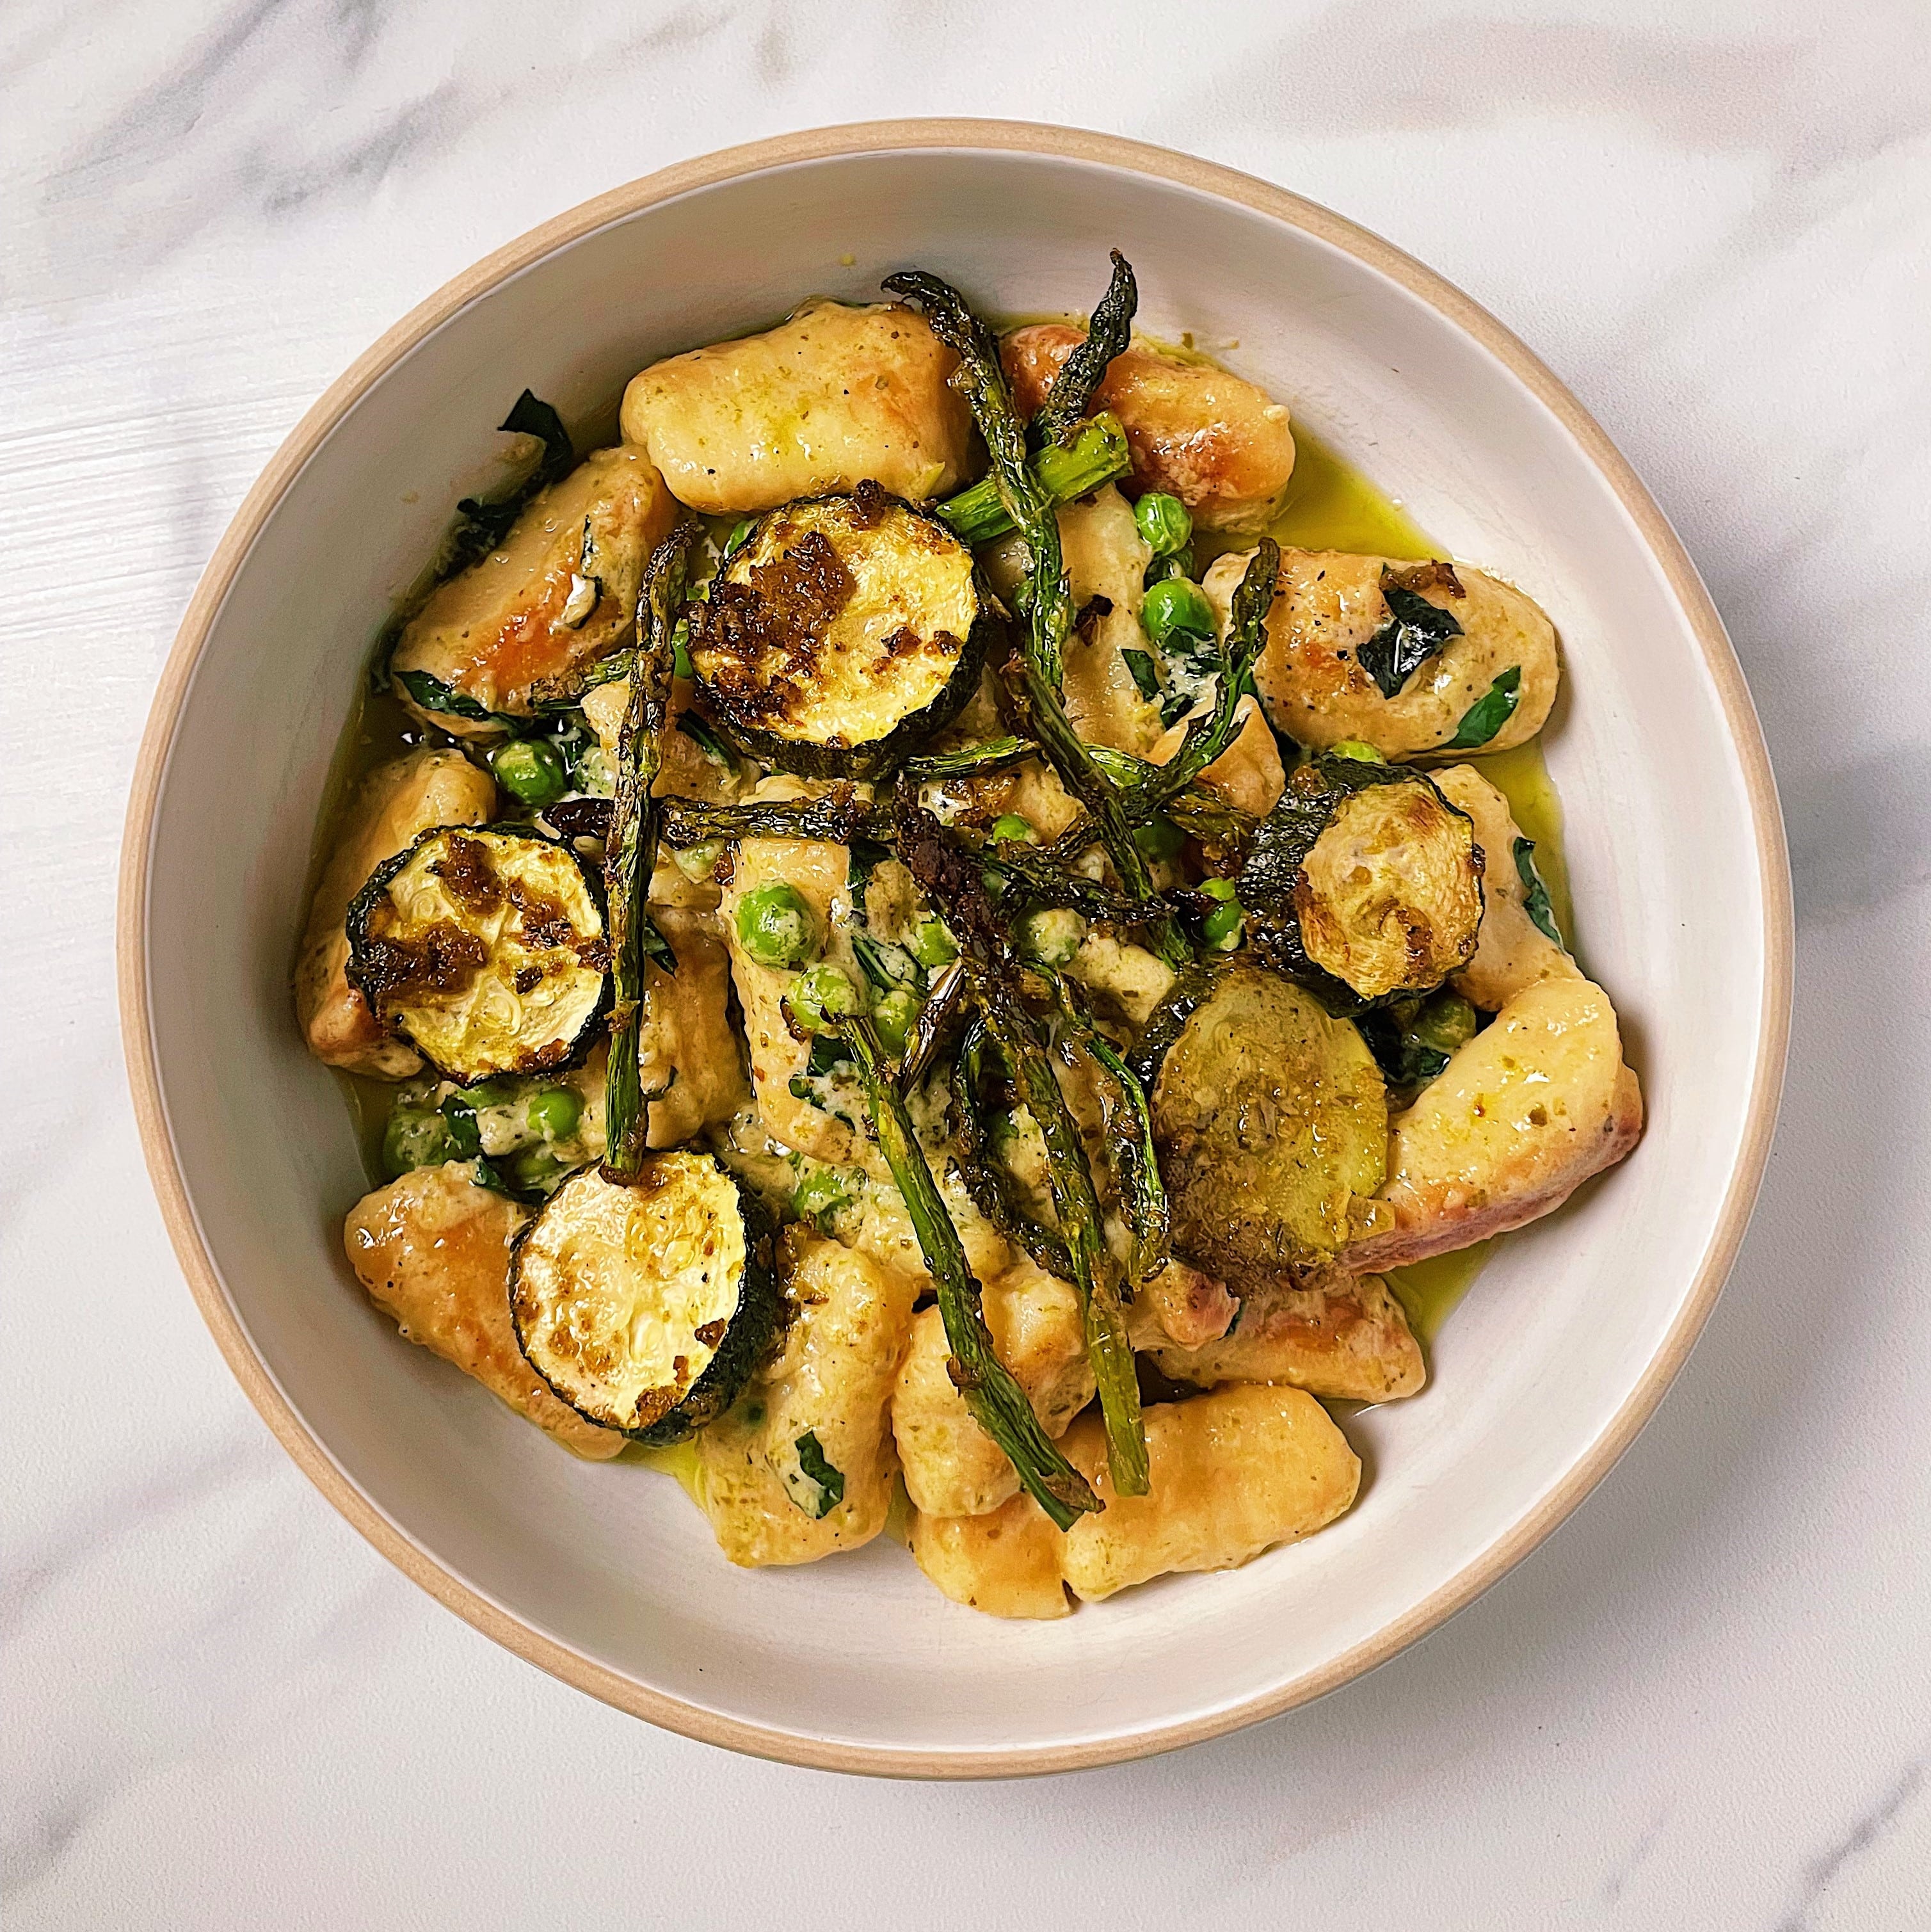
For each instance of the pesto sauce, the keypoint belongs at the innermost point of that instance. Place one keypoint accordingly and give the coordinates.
(1330, 505)
(1428, 1291)
(678, 1461)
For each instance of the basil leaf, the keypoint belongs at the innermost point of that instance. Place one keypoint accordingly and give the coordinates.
(1488, 713)
(1415, 630)
(1146, 679)
(831, 1482)
(433, 694)
(656, 947)
(1535, 901)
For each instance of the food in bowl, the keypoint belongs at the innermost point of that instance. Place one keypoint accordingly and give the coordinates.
(923, 955)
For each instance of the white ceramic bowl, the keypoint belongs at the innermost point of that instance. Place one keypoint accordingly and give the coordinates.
(606, 1575)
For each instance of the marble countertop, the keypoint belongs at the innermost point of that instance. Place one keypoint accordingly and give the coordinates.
(1706, 1701)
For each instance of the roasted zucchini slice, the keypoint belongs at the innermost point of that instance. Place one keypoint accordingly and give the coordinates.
(1270, 1120)
(1363, 882)
(485, 949)
(645, 1306)
(843, 632)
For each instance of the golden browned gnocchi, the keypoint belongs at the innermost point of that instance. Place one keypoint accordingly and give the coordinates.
(433, 1250)
(1232, 1474)
(803, 1465)
(516, 627)
(953, 1467)
(1248, 774)
(1341, 1336)
(1518, 1119)
(949, 1024)
(1005, 1563)
(686, 1049)
(1223, 448)
(1490, 686)
(1512, 951)
(817, 875)
(834, 396)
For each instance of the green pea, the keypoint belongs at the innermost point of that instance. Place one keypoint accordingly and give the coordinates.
(486, 1093)
(554, 1112)
(1358, 749)
(931, 945)
(535, 1170)
(531, 770)
(1174, 606)
(895, 1016)
(1053, 937)
(1159, 840)
(776, 925)
(1009, 825)
(1446, 1021)
(1164, 523)
(821, 997)
(1221, 926)
(413, 1139)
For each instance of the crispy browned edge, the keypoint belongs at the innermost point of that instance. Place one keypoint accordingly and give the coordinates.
(1132, 157)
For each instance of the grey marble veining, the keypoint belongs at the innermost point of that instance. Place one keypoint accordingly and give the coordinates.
(1707, 1701)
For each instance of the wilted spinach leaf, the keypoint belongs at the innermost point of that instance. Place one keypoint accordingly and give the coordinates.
(828, 1052)
(1404, 1060)
(530, 415)
(886, 966)
(867, 855)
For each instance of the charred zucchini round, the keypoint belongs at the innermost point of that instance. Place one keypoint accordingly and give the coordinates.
(485, 949)
(841, 633)
(645, 1305)
(1270, 1120)
(1363, 882)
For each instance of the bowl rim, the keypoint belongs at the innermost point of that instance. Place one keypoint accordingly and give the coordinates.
(1488, 1565)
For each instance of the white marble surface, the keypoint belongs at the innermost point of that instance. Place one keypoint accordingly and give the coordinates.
(1706, 1702)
